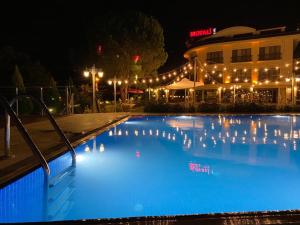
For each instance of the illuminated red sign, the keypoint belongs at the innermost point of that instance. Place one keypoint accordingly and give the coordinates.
(203, 32)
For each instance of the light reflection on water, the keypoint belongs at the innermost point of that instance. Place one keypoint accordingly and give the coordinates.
(165, 166)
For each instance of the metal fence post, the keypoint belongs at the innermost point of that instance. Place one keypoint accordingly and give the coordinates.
(67, 101)
(7, 135)
(42, 99)
(17, 102)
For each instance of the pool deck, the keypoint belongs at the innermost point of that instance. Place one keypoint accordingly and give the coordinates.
(76, 127)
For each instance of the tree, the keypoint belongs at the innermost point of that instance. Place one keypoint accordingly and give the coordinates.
(132, 43)
(17, 79)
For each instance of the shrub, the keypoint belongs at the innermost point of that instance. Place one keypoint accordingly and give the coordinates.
(208, 107)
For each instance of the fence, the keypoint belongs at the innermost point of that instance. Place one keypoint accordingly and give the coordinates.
(59, 99)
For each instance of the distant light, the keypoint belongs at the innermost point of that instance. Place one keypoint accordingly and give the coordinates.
(109, 82)
(86, 73)
(119, 82)
(100, 74)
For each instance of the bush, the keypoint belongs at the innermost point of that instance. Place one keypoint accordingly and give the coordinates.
(209, 107)
(161, 107)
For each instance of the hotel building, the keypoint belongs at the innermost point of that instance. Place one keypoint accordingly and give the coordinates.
(242, 64)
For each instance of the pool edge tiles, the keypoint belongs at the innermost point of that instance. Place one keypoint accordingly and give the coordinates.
(284, 217)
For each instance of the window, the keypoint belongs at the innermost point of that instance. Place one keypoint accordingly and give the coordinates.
(241, 75)
(214, 57)
(241, 55)
(269, 74)
(270, 53)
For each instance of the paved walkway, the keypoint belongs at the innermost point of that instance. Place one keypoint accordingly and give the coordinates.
(75, 127)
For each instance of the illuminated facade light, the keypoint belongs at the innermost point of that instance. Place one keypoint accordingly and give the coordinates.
(164, 77)
(169, 75)
(255, 70)
(220, 75)
(287, 65)
(234, 70)
(143, 81)
(157, 79)
(245, 70)
(150, 80)
(224, 68)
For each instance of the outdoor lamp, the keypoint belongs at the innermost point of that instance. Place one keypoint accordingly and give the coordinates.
(86, 73)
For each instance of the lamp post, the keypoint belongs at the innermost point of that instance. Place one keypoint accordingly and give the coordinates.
(115, 81)
(93, 70)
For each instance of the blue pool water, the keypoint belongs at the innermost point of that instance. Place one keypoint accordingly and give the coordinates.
(151, 166)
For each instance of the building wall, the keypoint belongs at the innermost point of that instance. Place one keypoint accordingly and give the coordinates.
(286, 64)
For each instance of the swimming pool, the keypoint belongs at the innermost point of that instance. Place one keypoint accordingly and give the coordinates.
(167, 165)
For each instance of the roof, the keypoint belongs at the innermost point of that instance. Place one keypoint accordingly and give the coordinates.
(183, 84)
(239, 33)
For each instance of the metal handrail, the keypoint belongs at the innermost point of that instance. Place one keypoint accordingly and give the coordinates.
(53, 122)
(36, 152)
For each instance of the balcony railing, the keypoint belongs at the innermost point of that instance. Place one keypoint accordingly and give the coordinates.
(241, 58)
(271, 56)
(214, 60)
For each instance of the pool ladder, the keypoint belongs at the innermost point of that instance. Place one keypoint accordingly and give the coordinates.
(9, 112)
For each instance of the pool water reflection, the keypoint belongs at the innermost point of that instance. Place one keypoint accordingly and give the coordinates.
(151, 166)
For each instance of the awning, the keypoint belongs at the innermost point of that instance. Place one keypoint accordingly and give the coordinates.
(183, 84)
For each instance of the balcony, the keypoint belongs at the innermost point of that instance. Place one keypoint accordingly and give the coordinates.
(214, 60)
(271, 56)
(241, 58)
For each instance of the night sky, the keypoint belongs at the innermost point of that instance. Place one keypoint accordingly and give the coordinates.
(52, 30)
